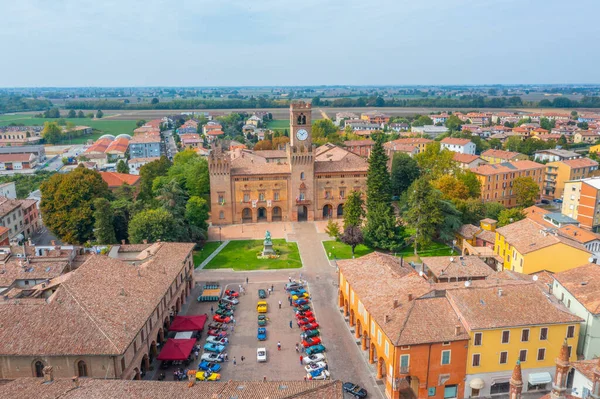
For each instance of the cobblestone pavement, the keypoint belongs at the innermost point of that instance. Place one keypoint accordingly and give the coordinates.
(345, 358)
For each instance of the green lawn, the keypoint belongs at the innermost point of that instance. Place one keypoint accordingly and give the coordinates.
(106, 126)
(241, 255)
(201, 255)
(279, 124)
(339, 250)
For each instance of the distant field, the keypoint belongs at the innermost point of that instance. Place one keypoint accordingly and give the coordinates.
(106, 126)
(279, 124)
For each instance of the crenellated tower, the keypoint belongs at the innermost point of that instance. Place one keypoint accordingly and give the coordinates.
(221, 199)
(516, 382)
(302, 162)
(559, 386)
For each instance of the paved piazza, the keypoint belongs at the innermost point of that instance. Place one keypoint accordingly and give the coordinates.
(346, 360)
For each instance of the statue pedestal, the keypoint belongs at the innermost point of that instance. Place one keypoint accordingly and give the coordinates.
(268, 248)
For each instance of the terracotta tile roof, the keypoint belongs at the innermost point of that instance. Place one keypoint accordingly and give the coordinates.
(214, 132)
(16, 157)
(8, 205)
(580, 162)
(587, 367)
(99, 146)
(119, 145)
(97, 310)
(506, 167)
(352, 143)
(412, 140)
(392, 146)
(15, 269)
(578, 234)
(584, 284)
(271, 153)
(123, 389)
(331, 158)
(501, 154)
(455, 141)
(453, 267)
(249, 163)
(517, 305)
(528, 236)
(468, 231)
(114, 179)
(536, 214)
(465, 158)
(145, 138)
(487, 235)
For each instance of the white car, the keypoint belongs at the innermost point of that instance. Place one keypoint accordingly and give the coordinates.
(318, 357)
(261, 355)
(315, 366)
(213, 357)
(216, 340)
(231, 300)
(324, 375)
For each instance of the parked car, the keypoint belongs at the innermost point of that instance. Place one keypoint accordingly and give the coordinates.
(217, 340)
(213, 357)
(214, 348)
(294, 285)
(261, 335)
(229, 299)
(317, 357)
(557, 201)
(261, 307)
(301, 301)
(355, 390)
(214, 325)
(232, 293)
(221, 319)
(261, 355)
(310, 334)
(224, 312)
(318, 375)
(305, 320)
(262, 320)
(308, 342)
(217, 333)
(296, 297)
(303, 307)
(262, 294)
(207, 376)
(304, 313)
(315, 349)
(315, 366)
(310, 326)
(208, 366)
(299, 291)
(226, 306)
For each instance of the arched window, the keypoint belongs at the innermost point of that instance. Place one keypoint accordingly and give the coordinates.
(303, 119)
(301, 175)
(221, 215)
(300, 119)
(39, 368)
(82, 370)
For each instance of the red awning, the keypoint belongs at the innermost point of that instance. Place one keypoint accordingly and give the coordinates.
(177, 349)
(188, 323)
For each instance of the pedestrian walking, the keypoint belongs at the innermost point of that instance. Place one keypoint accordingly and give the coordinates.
(232, 329)
(226, 356)
(246, 280)
(290, 299)
(212, 311)
(291, 324)
(242, 358)
(233, 321)
(240, 286)
(265, 378)
(234, 362)
(278, 345)
(304, 378)
(290, 279)
(280, 304)
(297, 350)
(301, 359)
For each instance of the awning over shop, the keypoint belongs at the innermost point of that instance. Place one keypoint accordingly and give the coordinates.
(476, 383)
(539, 378)
(177, 349)
(188, 323)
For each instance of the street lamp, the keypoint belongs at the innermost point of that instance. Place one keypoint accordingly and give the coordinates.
(219, 234)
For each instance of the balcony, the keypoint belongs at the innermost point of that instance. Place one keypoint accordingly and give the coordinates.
(404, 369)
(303, 201)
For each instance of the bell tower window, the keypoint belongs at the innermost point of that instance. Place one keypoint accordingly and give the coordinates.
(301, 175)
(301, 120)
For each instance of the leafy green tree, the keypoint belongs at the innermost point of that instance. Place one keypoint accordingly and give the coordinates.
(154, 101)
(191, 172)
(454, 123)
(353, 236)
(196, 212)
(322, 128)
(493, 209)
(470, 180)
(583, 125)
(472, 210)
(354, 210)
(405, 170)
(173, 199)
(451, 187)
(422, 120)
(52, 113)
(99, 114)
(382, 230)
(526, 191)
(140, 123)
(423, 215)
(80, 114)
(495, 143)
(451, 220)
(435, 161)
(89, 115)
(513, 143)
(152, 225)
(378, 178)
(67, 203)
(148, 173)
(511, 215)
(104, 230)
(332, 229)
(52, 133)
(72, 114)
(122, 166)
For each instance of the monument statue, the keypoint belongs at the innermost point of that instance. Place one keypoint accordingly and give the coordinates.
(268, 245)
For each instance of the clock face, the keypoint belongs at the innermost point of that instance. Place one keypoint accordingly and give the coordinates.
(301, 134)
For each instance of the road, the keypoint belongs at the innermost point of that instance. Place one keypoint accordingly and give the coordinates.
(170, 146)
(55, 163)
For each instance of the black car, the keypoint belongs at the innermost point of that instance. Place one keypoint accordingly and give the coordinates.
(355, 390)
(262, 294)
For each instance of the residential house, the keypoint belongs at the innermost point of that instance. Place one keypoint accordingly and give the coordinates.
(360, 147)
(528, 247)
(463, 146)
(547, 137)
(116, 180)
(136, 164)
(190, 140)
(439, 118)
(8, 190)
(17, 161)
(37, 150)
(586, 378)
(211, 126)
(468, 161)
(21, 217)
(213, 134)
(145, 146)
(117, 149)
(340, 117)
(578, 289)
(361, 125)
(510, 323)
(581, 201)
(559, 172)
(497, 179)
(419, 142)
(375, 117)
(500, 156)
(586, 136)
(392, 147)
(4, 236)
(190, 126)
(554, 155)
(430, 130)
(399, 127)
(254, 121)
(548, 218)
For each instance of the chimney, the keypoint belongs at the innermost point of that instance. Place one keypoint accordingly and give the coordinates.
(52, 242)
(457, 330)
(387, 318)
(122, 242)
(499, 291)
(48, 373)
(145, 241)
(396, 304)
(75, 382)
(410, 297)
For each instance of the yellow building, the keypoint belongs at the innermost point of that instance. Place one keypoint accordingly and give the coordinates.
(595, 148)
(510, 323)
(559, 172)
(529, 247)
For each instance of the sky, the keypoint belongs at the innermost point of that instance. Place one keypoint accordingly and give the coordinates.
(69, 43)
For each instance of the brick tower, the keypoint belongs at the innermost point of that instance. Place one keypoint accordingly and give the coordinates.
(559, 386)
(516, 382)
(221, 200)
(302, 163)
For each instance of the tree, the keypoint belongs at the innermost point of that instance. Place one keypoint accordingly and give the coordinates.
(451, 220)
(423, 214)
(470, 180)
(140, 123)
(333, 229)
(52, 113)
(511, 215)
(352, 236)
(263, 145)
(583, 125)
(493, 209)
(67, 203)
(196, 214)
(154, 101)
(152, 225)
(382, 230)
(191, 172)
(472, 210)
(52, 133)
(454, 123)
(435, 161)
(122, 166)
(99, 114)
(405, 170)
(513, 143)
(173, 199)
(148, 173)
(322, 128)
(72, 114)
(89, 115)
(80, 114)
(354, 210)
(526, 191)
(451, 187)
(422, 120)
(378, 177)
(104, 230)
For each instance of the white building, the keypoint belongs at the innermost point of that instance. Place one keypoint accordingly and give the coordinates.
(583, 377)
(579, 290)
(462, 146)
(8, 190)
(136, 163)
(430, 130)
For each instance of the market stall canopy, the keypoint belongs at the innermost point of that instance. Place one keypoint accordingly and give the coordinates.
(188, 323)
(177, 349)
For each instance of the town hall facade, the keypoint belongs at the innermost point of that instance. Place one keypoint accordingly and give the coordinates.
(301, 183)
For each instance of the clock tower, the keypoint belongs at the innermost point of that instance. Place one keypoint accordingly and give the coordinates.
(302, 163)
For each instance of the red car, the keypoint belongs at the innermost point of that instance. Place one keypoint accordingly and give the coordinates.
(310, 326)
(305, 320)
(221, 319)
(307, 313)
(311, 341)
(217, 333)
(232, 293)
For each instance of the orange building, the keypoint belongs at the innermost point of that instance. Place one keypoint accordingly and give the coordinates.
(581, 201)
(375, 117)
(497, 179)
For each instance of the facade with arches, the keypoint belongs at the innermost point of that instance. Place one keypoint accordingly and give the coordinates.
(107, 319)
(301, 183)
